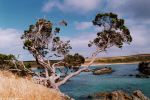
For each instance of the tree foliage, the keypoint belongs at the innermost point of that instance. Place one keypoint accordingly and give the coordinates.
(7, 57)
(43, 42)
(41, 39)
(10, 63)
(73, 61)
(114, 32)
(5, 61)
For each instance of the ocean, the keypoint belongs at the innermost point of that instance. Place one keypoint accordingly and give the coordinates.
(86, 83)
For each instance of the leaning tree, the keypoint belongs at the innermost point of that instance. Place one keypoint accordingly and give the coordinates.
(43, 42)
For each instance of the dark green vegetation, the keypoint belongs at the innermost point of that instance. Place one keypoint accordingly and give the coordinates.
(123, 59)
(6, 61)
(10, 63)
(34, 64)
(74, 61)
(144, 67)
(114, 32)
(42, 38)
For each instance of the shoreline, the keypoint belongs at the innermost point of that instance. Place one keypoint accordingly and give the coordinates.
(105, 64)
(99, 64)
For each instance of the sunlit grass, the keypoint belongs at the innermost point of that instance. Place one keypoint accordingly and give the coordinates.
(16, 88)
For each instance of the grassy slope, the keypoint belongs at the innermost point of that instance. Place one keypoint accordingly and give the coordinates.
(123, 59)
(15, 88)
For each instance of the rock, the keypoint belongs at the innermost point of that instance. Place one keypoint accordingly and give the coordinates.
(101, 71)
(141, 76)
(131, 75)
(88, 70)
(138, 95)
(66, 97)
(119, 95)
(144, 67)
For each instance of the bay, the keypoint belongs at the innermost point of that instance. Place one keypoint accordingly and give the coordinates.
(86, 83)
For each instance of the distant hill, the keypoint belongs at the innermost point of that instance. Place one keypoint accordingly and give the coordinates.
(122, 59)
(34, 63)
(108, 60)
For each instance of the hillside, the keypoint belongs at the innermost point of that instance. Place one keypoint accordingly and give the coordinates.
(16, 88)
(109, 60)
(122, 59)
(35, 65)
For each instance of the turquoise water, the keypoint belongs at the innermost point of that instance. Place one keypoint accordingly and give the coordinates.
(86, 83)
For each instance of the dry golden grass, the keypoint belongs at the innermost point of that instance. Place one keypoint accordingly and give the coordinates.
(16, 88)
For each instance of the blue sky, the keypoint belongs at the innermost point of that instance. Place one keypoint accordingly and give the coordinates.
(16, 16)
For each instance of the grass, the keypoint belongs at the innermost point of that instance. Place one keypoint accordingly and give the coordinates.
(123, 59)
(16, 88)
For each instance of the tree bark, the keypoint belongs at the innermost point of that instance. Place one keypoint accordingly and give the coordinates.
(70, 76)
(79, 71)
(93, 58)
(53, 76)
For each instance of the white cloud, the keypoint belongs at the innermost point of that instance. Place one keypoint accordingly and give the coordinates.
(81, 6)
(138, 10)
(48, 6)
(85, 5)
(137, 18)
(83, 25)
(140, 35)
(10, 43)
(140, 43)
(87, 25)
(114, 4)
(139, 31)
(97, 28)
(80, 43)
(9, 37)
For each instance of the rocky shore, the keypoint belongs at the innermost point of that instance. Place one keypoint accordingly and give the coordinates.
(118, 95)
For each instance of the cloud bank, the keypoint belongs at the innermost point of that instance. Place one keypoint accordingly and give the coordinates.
(10, 43)
(81, 6)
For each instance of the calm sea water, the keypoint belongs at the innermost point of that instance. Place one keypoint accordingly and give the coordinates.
(86, 83)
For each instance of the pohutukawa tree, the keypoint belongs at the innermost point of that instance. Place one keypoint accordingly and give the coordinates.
(43, 42)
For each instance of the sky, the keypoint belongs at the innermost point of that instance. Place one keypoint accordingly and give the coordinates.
(16, 16)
